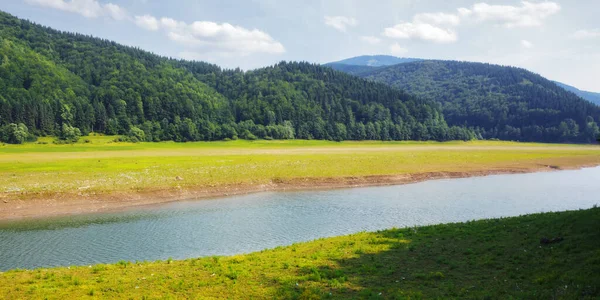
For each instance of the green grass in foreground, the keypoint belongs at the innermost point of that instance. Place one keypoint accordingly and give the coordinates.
(100, 166)
(487, 259)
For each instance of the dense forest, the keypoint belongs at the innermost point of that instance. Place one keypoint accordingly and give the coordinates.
(496, 101)
(65, 84)
(356, 70)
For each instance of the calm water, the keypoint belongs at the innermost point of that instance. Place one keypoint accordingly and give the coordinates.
(255, 222)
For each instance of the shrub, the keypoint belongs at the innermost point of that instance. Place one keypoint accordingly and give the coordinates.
(136, 135)
(247, 135)
(69, 134)
(15, 134)
(232, 274)
(123, 263)
(436, 275)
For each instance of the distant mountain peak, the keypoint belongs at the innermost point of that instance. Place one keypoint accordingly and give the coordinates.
(374, 60)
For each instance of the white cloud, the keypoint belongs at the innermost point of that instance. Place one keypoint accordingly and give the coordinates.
(397, 50)
(373, 40)
(421, 31)
(464, 12)
(429, 27)
(437, 19)
(440, 27)
(203, 37)
(585, 34)
(171, 24)
(199, 37)
(86, 8)
(526, 44)
(340, 23)
(115, 12)
(147, 22)
(529, 14)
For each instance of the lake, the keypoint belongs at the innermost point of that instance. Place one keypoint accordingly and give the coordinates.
(249, 223)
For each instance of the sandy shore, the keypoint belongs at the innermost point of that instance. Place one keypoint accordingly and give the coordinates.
(47, 205)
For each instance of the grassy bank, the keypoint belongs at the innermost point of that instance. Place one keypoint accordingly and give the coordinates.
(102, 167)
(483, 259)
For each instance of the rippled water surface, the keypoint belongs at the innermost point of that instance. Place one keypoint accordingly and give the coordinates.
(255, 222)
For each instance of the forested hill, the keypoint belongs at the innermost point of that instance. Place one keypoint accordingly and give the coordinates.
(501, 102)
(50, 79)
(357, 70)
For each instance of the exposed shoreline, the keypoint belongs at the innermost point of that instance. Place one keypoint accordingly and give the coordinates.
(41, 206)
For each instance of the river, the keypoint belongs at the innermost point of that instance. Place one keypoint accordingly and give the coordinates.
(248, 223)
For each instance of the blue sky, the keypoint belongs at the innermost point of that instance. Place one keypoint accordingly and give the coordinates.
(558, 39)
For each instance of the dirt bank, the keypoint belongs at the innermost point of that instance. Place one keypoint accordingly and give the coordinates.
(46, 205)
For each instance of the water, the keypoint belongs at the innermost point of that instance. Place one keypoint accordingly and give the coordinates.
(254, 222)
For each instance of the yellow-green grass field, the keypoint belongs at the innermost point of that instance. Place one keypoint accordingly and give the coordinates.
(488, 259)
(101, 166)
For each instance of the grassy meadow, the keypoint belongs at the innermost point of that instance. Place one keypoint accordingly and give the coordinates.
(97, 165)
(487, 259)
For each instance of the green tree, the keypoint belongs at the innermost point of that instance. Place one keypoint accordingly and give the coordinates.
(189, 131)
(288, 130)
(14, 134)
(340, 132)
(136, 135)
(592, 131)
(69, 134)
(66, 116)
(360, 132)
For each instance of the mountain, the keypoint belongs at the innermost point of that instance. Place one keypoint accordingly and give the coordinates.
(589, 96)
(374, 60)
(50, 79)
(367, 63)
(497, 101)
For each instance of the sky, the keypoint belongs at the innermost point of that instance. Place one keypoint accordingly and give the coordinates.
(557, 39)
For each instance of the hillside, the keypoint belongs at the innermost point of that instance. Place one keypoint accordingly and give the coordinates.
(51, 78)
(366, 63)
(589, 96)
(488, 259)
(356, 70)
(499, 102)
